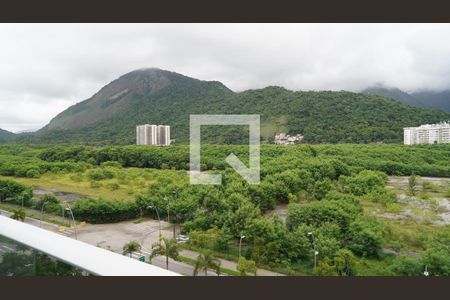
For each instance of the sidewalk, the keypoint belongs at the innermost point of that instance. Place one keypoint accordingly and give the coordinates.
(38, 214)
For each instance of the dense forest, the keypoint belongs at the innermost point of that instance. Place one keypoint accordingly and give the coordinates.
(6, 136)
(329, 191)
(154, 96)
(424, 98)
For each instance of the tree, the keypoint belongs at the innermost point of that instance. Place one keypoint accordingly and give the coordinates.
(245, 266)
(412, 184)
(325, 268)
(19, 215)
(407, 266)
(131, 247)
(343, 262)
(168, 248)
(205, 261)
(365, 236)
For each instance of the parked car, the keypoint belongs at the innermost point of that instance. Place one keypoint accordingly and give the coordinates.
(182, 238)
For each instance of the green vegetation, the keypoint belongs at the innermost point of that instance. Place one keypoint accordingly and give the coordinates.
(205, 261)
(110, 117)
(131, 247)
(6, 136)
(165, 247)
(336, 192)
(18, 215)
(246, 266)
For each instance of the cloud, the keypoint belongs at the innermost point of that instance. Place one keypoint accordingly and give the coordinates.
(45, 68)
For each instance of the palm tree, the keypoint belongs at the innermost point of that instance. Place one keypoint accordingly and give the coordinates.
(18, 214)
(131, 247)
(205, 261)
(169, 248)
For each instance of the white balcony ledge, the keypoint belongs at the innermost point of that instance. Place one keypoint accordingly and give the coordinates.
(95, 260)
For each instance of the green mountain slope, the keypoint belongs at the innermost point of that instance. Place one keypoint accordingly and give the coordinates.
(6, 136)
(428, 99)
(160, 97)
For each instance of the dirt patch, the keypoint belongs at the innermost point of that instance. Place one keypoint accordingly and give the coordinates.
(64, 196)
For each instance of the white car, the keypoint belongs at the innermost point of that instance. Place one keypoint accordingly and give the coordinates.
(182, 238)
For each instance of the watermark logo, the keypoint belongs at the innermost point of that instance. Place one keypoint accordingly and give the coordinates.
(251, 174)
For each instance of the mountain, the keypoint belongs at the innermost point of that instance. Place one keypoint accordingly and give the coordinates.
(425, 98)
(6, 136)
(156, 96)
(433, 99)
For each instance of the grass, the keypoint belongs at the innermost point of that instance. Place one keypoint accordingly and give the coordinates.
(126, 184)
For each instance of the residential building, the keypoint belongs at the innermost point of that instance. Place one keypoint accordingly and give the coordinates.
(286, 139)
(163, 135)
(427, 134)
(153, 135)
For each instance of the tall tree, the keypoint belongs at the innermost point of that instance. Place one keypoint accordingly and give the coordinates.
(205, 261)
(168, 248)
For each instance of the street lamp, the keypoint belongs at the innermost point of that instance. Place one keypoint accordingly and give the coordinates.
(168, 208)
(426, 273)
(74, 224)
(159, 220)
(174, 224)
(240, 244)
(315, 251)
(42, 213)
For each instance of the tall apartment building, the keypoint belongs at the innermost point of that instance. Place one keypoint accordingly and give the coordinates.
(146, 134)
(427, 134)
(153, 135)
(163, 135)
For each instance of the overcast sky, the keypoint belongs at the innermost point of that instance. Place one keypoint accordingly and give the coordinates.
(45, 68)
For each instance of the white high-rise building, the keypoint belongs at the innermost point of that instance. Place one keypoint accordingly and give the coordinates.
(153, 135)
(427, 134)
(147, 134)
(163, 135)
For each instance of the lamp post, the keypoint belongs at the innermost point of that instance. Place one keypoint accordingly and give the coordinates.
(426, 273)
(159, 221)
(174, 224)
(168, 208)
(73, 218)
(315, 251)
(240, 244)
(42, 212)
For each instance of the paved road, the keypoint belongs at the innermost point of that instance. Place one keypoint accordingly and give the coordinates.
(175, 266)
(114, 236)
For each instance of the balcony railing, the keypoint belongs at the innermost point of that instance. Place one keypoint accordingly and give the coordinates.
(85, 259)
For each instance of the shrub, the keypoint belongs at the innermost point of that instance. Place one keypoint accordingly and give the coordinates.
(381, 195)
(406, 266)
(365, 236)
(428, 185)
(33, 173)
(113, 186)
(339, 210)
(52, 204)
(363, 183)
(113, 164)
(15, 192)
(100, 174)
(105, 211)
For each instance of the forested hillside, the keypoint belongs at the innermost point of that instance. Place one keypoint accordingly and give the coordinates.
(6, 135)
(425, 98)
(160, 97)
